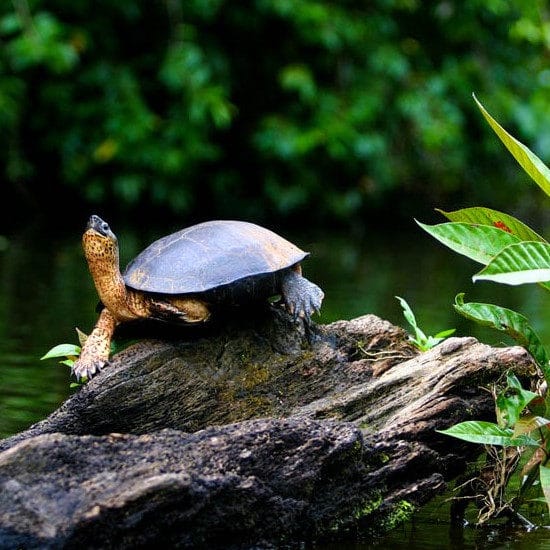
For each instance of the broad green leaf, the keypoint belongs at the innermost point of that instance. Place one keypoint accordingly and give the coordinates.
(487, 433)
(545, 482)
(62, 350)
(500, 220)
(511, 401)
(480, 243)
(506, 320)
(538, 171)
(519, 263)
(529, 423)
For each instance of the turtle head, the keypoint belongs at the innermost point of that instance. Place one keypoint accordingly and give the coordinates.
(97, 226)
(101, 251)
(100, 245)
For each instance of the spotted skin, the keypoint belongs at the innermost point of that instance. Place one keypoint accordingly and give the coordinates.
(95, 352)
(178, 277)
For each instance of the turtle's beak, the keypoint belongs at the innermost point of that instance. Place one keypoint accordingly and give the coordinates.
(94, 222)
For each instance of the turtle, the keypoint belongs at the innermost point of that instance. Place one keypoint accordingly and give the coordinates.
(185, 276)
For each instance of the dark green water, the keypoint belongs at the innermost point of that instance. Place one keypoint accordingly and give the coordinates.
(46, 292)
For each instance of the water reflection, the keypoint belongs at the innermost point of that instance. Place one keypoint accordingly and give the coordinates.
(430, 529)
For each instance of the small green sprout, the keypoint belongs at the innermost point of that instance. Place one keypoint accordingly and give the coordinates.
(419, 339)
(70, 353)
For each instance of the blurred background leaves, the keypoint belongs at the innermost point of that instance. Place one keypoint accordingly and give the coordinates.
(303, 110)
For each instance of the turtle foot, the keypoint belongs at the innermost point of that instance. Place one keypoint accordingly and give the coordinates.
(84, 369)
(301, 297)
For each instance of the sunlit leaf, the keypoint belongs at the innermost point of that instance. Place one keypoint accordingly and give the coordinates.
(536, 458)
(445, 333)
(538, 171)
(506, 320)
(487, 433)
(500, 220)
(519, 263)
(478, 242)
(62, 350)
(545, 482)
(408, 312)
(529, 423)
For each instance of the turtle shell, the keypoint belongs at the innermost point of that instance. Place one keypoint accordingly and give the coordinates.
(210, 255)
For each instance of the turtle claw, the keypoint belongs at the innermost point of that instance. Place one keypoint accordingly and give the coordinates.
(85, 369)
(302, 298)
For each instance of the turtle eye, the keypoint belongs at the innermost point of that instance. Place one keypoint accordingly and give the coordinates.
(105, 227)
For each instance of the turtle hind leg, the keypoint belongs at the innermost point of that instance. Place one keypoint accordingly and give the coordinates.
(301, 297)
(95, 351)
(186, 310)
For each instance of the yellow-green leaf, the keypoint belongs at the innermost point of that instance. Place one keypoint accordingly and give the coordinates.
(62, 350)
(544, 473)
(528, 423)
(494, 218)
(532, 165)
(480, 243)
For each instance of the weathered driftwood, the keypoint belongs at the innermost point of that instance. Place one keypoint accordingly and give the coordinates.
(250, 434)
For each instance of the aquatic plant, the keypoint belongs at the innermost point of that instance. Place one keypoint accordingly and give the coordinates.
(511, 253)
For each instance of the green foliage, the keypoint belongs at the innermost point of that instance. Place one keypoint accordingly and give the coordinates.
(493, 218)
(544, 478)
(419, 338)
(510, 403)
(480, 243)
(512, 254)
(524, 262)
(510, 322)
(70, 353)
(516, 426)
(527, 160)
(273, 106)
(488, 433)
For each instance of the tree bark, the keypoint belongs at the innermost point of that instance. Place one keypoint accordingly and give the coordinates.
(253, 433)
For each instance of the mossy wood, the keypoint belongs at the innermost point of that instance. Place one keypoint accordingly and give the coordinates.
(250, 434)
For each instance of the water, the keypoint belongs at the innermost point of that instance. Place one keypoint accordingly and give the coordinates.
(46, 292)
(430, 530)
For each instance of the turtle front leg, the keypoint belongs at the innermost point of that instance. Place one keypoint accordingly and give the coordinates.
(95, 351)
(302, 298)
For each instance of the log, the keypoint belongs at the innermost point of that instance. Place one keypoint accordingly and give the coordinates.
(252, 433)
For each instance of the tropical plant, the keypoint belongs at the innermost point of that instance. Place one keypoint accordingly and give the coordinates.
(419, 338)
(512, 253)
(68, 353)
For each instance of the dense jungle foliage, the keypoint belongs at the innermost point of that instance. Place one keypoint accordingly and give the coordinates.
(290, 108)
